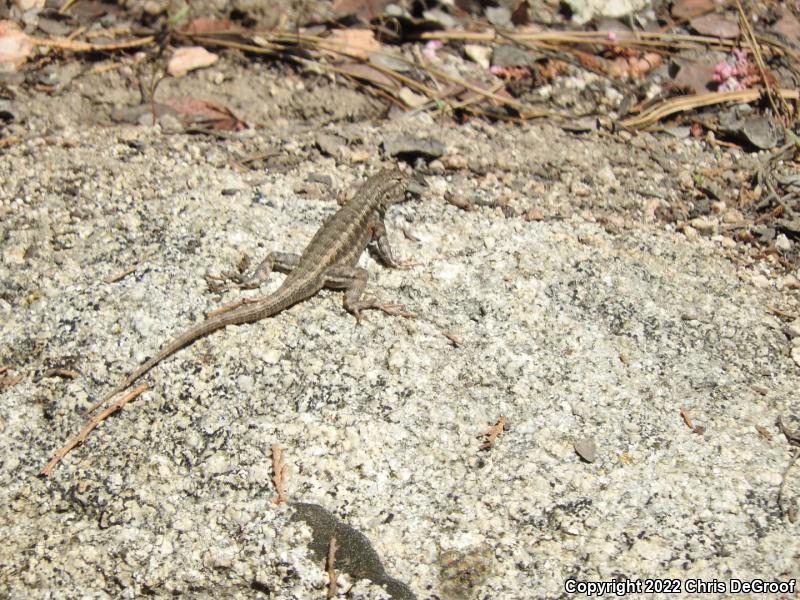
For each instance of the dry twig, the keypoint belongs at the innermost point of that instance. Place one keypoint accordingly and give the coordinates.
(63, 373)
(7, 381)
(684, 103)
(688, 420)
(330, 564)
(87, 429)
(764, 432)
(492, 433)
(279, 474)
(454, 339)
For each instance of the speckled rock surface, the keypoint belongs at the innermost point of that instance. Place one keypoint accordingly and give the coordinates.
(571, 327)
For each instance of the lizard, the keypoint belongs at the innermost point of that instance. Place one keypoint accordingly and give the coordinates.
(329, 260)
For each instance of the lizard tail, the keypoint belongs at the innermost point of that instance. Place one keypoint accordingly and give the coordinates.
(244, 314)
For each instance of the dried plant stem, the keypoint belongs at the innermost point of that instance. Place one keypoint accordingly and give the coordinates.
(89, 427)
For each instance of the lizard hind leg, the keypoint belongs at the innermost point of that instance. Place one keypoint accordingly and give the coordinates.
(283, 262)
(353, 280)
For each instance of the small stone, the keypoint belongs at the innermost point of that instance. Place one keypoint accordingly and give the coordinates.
(685, 180)
(703, 225)
(359, 156)
(761, 132)
(690, 232)
(169, 123)
(760, 281)
(580, 188)
(414, 147)
(182, 523)
(330, 144)
(26, 5)
(764, 233)
(440, 17)
(796, 355)
(783, 243)
(679, 132)
(464, 570)
(232, 184)
(479, 54)
(607, 177)
(436, 166)
(499, 16)
(732, 216)
(511, 56)
(412, 99)
(153, 8)
(454, 161)
(790, 282)
(586, 449)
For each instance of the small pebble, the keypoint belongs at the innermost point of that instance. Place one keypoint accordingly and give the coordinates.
(586, 449)
(783, 243)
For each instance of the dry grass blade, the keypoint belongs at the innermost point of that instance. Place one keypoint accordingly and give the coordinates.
(637, 39)
(270, 43)
(684, 103)
(518, 106)
(551, 51)
(264, 46)
(73, 46)
(744, 23)
(66, 6)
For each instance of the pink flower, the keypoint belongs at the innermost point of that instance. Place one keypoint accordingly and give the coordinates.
(722, 71)
(430, 49)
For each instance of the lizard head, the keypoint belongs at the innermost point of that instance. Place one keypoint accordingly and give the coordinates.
(396, 186)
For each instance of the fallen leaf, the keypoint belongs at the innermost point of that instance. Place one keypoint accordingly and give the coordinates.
(188, 58)
(693, 76)
(411, 99)
(205, 113)
(685, 9)
(15, 46)
(205, 25)
(88, 10)
(369, 74)
(764, 432)
(357, 43)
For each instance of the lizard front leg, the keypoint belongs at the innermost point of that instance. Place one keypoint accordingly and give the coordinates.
(384, 249)
(353, 280)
